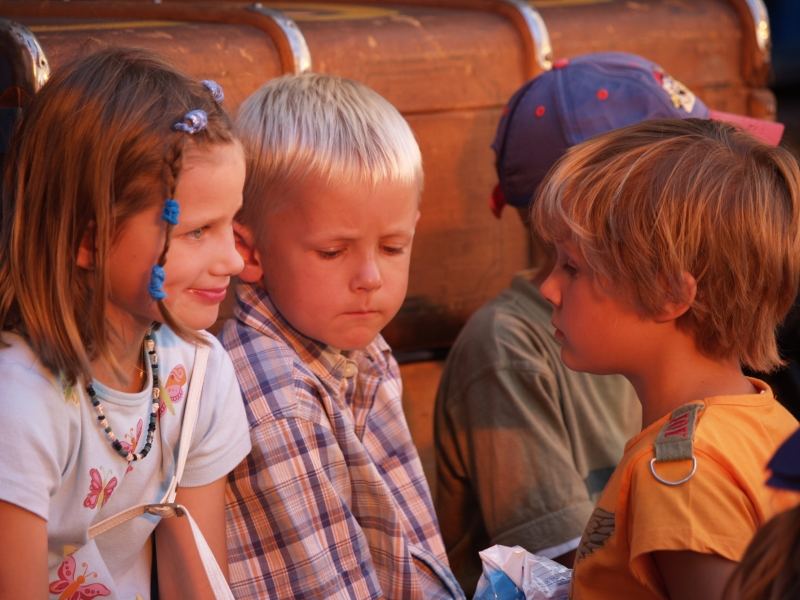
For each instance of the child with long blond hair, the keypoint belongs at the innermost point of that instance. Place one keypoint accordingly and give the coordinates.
(117, 247)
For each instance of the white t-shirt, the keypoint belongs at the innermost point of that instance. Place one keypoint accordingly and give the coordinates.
(56, 461)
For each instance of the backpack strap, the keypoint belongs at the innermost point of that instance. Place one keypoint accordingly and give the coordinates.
(675, 441)
(167, 507)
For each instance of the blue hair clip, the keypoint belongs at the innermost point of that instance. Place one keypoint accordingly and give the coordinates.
(192, 122)
(171, 211)
(156, 287)
(215, 89)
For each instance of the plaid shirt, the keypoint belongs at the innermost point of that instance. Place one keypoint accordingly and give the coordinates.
(332, 501)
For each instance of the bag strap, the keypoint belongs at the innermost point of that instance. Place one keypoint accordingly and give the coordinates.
(167, 507)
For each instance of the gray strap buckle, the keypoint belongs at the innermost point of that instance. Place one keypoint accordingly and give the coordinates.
(675, 442)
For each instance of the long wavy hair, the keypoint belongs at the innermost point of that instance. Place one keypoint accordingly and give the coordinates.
(95, 146)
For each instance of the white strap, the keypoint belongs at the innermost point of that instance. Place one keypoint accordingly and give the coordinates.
(189, 418)
(167, 507)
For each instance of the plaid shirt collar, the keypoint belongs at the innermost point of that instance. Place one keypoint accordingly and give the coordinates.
(255, 309)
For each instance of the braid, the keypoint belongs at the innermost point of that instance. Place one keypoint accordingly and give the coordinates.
(173, 160)
(172, 169)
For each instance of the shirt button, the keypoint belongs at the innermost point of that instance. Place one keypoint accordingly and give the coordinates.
(350, 369)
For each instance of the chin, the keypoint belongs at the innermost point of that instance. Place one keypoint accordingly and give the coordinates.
(353, 342)
(197, 322)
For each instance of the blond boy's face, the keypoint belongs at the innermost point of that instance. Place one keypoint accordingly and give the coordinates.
(335, 258)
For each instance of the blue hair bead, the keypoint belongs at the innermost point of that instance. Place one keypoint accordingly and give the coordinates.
(156, 287)
(193, 122)
(214, 89)
(172, 211)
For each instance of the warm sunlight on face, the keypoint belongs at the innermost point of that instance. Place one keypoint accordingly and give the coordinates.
(336, 258)
(202, 256)
(598, 332)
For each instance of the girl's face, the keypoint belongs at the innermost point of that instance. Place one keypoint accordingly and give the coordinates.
(201, 257)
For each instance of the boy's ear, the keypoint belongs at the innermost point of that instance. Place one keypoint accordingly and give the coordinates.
(246, 246)
(86, 249)
(673, 310)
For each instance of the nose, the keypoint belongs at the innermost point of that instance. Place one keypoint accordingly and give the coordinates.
(230, 262)
(550, 290)
(368, 275)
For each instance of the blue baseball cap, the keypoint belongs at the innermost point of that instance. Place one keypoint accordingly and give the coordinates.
(581, 98)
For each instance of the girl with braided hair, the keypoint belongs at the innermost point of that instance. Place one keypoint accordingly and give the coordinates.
(116, 249)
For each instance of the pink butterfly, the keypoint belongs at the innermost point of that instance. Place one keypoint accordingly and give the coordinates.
(70, 587)
(99, 492)
(174, 389)
(131, 441)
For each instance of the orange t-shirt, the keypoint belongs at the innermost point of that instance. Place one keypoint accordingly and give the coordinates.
(716, 511)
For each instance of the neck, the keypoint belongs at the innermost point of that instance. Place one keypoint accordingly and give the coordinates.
(679, 374)
(126, 372)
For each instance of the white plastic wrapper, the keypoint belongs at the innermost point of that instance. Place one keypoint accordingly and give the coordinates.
(516, 574)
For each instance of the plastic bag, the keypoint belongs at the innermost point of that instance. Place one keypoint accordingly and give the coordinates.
(516, 574)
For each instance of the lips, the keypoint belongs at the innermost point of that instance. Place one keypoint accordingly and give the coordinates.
(211, 295)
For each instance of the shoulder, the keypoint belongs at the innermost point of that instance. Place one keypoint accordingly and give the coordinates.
(512, 328)
(24, 375)
(274, 380)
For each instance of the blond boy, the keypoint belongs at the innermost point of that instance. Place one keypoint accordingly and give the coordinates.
(677, 256)
(332, 502)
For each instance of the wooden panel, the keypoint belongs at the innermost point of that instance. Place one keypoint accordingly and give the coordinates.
(462, 255)
(420, 381)
(449, 67)
(699, 43)
(239, 58)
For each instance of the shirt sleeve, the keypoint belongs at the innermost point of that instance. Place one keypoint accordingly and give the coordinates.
(506, 434)
(709, 514)
(37, 424)
(221, 438)
(291, 533)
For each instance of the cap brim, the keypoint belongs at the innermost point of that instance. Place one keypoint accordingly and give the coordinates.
(768, 132)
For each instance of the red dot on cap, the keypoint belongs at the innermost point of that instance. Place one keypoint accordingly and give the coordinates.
(602, 94)
(561, 63)
(539, 112)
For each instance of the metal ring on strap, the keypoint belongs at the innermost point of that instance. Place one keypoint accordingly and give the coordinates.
(673, 483)
(537, 31)
(27, 61)
(300, 51)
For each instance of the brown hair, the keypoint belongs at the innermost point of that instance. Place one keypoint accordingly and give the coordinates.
(770, 567)
(95, 146)
(649, 202)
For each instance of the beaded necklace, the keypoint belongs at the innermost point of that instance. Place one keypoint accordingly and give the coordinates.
(130, 456)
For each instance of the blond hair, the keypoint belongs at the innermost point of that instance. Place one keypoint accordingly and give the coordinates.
(647, 203)
(95, 146)
(316, 125)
